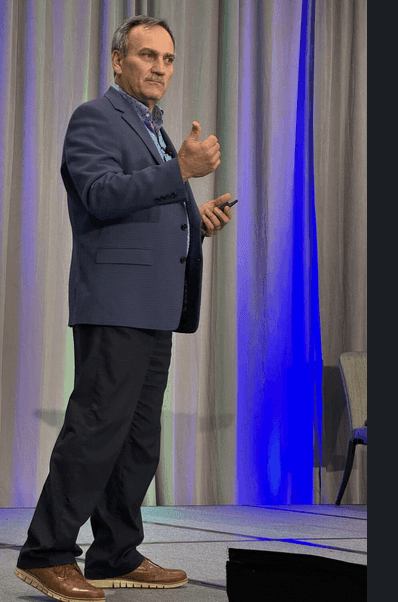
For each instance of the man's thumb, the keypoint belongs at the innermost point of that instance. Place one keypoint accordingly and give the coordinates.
(195, 131)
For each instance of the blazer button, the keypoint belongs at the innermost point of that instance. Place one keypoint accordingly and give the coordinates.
(183, 259)
(184, 226)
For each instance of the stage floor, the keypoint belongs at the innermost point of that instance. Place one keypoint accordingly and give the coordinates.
(197, 538)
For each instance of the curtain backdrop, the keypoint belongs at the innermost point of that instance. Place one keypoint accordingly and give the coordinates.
(278, 340)
(243, 393)
(341, 193)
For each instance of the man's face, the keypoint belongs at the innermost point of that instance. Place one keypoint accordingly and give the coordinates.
(145, 71)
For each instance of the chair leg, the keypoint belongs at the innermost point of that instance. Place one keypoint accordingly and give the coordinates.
(347, 470)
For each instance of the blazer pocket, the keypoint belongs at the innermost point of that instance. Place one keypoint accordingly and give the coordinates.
(133, 256)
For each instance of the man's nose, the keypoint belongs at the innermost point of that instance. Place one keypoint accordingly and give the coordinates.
(158, 67)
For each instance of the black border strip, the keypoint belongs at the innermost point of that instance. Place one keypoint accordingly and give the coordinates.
(309, 512)
(207, 584)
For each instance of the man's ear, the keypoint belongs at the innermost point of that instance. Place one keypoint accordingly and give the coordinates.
(116, 60)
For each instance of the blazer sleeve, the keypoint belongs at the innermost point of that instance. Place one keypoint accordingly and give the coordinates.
(94, 167)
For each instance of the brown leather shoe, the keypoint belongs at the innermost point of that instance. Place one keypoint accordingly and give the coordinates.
(65, 582)
(147, 575)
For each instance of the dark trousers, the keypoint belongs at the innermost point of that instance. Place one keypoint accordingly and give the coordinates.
(106, 453)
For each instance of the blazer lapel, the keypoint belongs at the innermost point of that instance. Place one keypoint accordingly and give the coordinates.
(131, 117)
(168, 142)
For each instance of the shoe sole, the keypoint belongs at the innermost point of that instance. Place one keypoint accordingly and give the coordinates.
(34, 582)
(119, 583)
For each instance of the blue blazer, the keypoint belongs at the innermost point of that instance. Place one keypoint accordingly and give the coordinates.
(129, 263)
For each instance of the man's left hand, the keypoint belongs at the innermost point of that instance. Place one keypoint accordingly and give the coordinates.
(214, 219)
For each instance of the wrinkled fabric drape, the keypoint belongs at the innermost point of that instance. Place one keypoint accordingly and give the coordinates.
(55, 55)
(278, 342)
(341, 196)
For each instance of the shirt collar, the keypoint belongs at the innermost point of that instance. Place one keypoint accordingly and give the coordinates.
(155, 118)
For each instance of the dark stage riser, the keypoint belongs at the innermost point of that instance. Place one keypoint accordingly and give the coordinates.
(259, 575)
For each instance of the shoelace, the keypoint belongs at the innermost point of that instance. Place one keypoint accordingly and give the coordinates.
(66, 571)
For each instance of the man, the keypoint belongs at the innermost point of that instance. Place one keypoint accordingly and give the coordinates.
(135, 277)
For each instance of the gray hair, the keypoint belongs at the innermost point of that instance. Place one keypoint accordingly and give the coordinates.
(120, 37)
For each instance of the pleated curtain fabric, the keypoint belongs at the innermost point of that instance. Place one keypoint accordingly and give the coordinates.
(340, 128)
(55, 55)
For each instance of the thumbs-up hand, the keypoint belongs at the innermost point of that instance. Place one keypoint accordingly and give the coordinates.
(198, 158)
(196, 131)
